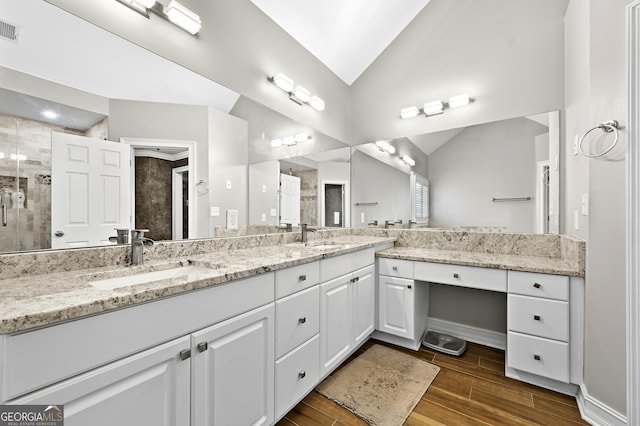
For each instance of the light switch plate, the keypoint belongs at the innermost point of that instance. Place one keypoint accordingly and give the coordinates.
(361, 217)
(232, 219)
(576, 220)
(585, 204)
(273, 212)
(215, 211)
(263, 217)
(575, 145)
(264, 188)
(228, 184)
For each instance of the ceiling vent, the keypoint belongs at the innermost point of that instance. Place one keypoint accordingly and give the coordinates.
(9, 31)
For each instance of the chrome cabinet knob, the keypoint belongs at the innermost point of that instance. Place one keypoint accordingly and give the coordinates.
(536, 317)
(302, 320)
(537, 285)
(302, 374)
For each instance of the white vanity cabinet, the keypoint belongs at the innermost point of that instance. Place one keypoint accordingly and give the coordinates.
(297, 342)
(147, 389)
(544, 337)
(217, 365)
(347, 306)
(233, 376)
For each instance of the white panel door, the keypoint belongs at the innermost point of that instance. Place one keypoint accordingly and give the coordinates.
(151, 388)
(234, 371)
(396, 304)
(290, 199)
(364, 302)
(90, 190)
(335, 322)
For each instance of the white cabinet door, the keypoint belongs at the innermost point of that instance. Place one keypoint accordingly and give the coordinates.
(150, 388)
(364, 302)
(233, 371)
(396, 304)
(335, 322)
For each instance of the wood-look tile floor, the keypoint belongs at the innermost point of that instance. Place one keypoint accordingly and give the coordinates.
(469, 390)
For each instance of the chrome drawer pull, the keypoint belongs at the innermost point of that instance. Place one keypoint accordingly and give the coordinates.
(395, 268)
(456, 276)
(302, 374)
(303, 277)
(409, 286)
(537, 285)
(536, 357)
(185, 354)
(536, 317)
(302, 320)
(203, 346)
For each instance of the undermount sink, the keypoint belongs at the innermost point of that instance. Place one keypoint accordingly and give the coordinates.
(110, 280)
(319, 245)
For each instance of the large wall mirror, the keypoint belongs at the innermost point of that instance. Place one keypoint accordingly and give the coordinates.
(499, 176)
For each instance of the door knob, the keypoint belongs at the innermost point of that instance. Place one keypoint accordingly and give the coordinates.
(59, 234)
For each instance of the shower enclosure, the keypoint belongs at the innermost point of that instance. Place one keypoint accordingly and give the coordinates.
(25, 185)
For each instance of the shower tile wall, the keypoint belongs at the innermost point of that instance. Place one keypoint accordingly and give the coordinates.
(308, 196)
(153, 196)
(32, 224)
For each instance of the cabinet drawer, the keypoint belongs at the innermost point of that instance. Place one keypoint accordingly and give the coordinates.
(297, 319)
(296, 374)
(296, 278)
(540, 317)
(333, 267)
(539, 285)
(548, 358)
(466, 276)
(395, 267)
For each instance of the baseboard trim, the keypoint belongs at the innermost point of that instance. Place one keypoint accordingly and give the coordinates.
(481, 336)
(597, 413)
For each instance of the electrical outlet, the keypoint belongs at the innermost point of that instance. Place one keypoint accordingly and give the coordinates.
(232, 219)
(264, 188)
(228, 184)
(576, 220)
(273, 212)
(215, 211)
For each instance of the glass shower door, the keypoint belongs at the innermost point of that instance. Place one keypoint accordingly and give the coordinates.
(9, 184)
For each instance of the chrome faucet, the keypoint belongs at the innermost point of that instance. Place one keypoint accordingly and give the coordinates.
(138, 241)
(122, 238)
(387, 224)
(305, 231)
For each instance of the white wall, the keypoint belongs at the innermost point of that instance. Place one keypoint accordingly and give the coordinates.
(374, 181)
(480, 163)
(261, 202)
(596, 91)
(508, 54)
(228, 155)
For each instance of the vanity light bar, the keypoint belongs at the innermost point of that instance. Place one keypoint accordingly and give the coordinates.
(290, 140)
(384, 146)
(183, 17)
(297, 93)
(408, 160)
(435, 107)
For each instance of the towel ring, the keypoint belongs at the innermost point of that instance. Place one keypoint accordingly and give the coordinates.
(607, 127)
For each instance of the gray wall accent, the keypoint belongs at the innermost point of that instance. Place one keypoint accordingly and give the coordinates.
(374, 181)
(596, 91)
(480, 163)
(507, 54)
(151, 120)
(238, 47)
(267, 174)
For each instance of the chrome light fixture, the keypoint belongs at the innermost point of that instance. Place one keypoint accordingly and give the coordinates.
(297, 93)
(183, 17)
(174, 12)
(408, 160)
(435, 107)
(290, 140)
(385, 146)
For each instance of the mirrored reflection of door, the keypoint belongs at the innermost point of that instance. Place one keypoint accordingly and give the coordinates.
(289, 199)
(333, 205)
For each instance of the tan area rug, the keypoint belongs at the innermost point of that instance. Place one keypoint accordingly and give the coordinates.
(382, 386)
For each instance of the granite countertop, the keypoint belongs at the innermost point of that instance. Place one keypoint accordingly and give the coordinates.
(41, 300)
(547, 265)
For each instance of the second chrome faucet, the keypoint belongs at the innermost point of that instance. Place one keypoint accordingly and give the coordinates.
(138, 241)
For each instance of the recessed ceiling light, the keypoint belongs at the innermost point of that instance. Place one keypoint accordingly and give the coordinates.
(50, 114)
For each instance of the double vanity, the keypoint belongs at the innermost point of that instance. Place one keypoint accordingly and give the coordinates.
(239, 330)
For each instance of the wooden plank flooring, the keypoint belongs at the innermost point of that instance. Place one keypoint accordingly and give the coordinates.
(469, 390)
